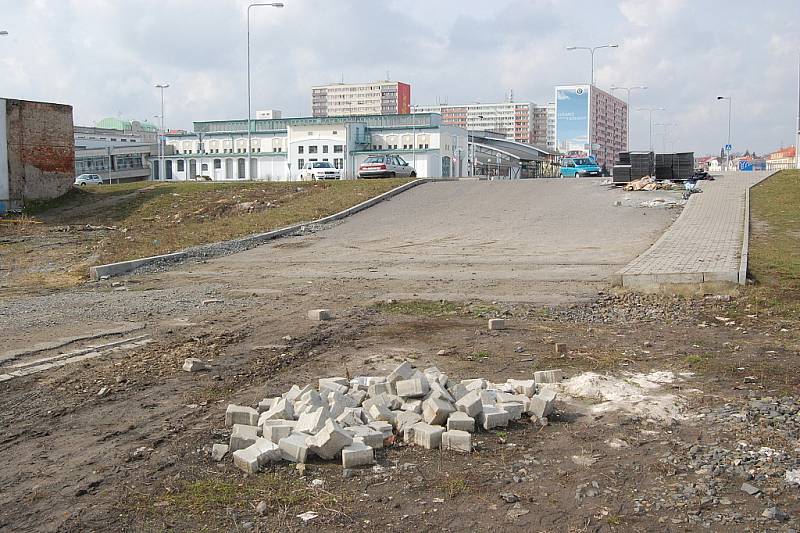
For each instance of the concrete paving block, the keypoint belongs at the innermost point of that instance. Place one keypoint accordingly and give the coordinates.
(350, 417)
(412, 388)
(329, 441)
(549, 376)
(461, 422)
(523, 386)
(542, 404)
(293, 448)
(380, 413)
(514, 409)
(357, 454)
(414, 406)
(266, 404)
(377, 389)
(357, 397)
(403, 371)
(560, 348)
(474, 384)
(192, 364)
(334, 384)
(240, 414)
(242, 436)
(313, 421)
(488, 396)
(337, 407)
(253, 458)
(369, 436)
(459, 441)
(219, 451)
(470, 403)
(492, 416)
(457, 391)
(384, 427)
(275, 430)
(438, 391)
(435, 411)
(428, 436)
(319, 314)
(282, 409)
(296, 392)
(497, 324)
(405, 419)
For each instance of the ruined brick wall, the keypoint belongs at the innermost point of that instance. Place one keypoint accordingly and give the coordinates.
(41, 150)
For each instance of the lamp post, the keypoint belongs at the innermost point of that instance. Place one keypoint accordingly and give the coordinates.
(650, 111)
(665, 125)
(730, 109)
(797, 143)
(628, 102)
(592, 50)
(474, 148)
(249, 112)
(3, 32)
(161, 138)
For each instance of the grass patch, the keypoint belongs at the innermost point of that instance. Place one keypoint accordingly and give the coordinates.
(454, 487)
(699, 361)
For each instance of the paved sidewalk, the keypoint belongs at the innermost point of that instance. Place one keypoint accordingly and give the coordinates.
(705, 242)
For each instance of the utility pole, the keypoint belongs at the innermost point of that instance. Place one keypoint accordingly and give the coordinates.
(797, 140)
(162, 135)
(592, 50)
(650, 110)
(628, 111)
(729, 146)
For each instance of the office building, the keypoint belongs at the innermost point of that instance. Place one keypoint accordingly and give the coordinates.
(217, 150)
(349, 99)
(590, 121)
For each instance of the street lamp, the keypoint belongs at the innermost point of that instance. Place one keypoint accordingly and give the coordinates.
(666, 126)
(249, 112)
(161, 139)
(628, 102)
(650, 110)
(592, 50)
(730, 108)
(3, 32)
(474, 148)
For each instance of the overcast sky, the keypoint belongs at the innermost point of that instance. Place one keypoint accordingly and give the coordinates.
(103, 57)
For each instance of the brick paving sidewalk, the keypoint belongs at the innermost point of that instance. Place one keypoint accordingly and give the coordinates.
(704, 244)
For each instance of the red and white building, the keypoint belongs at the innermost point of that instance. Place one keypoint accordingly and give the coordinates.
(782, 159)
(352, 99)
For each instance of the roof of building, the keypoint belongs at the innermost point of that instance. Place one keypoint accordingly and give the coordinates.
(114, 123)
(278, 124)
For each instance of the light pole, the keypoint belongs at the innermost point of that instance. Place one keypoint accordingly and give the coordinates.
(650, 110)
(161, 138)
(730, 109)
(666, 126)
(628, 102)
(474, 148)
(249, 112)
(797, 143)
(3, 32)
(592, 50)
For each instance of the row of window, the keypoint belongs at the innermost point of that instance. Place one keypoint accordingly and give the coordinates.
(337, 162)
(422, 146)
(313, 149)
(227, 151)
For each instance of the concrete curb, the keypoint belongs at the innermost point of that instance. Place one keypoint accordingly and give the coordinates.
(251, 241)
(744, 255)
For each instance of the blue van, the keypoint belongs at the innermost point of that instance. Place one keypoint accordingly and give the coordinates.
(572, 167)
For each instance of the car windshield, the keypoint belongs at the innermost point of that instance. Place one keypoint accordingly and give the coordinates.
(583, 162)
(374, 159)
(323, 164)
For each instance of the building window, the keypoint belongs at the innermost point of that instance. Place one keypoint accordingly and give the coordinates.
(335, 132)
(325, 149)
(300, 149)
(204, 167)
(180, 166)
(301, 163)
(338, 149)
(312, 149)
(217, 164)
(338, 163)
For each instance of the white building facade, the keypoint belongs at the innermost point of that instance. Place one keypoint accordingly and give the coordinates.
(217, 150)
(374, 98)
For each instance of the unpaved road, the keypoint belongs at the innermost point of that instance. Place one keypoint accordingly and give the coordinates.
(120, 441)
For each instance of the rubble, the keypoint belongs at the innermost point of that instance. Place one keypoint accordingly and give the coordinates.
(319, 314)
(351, 418)
(192, 364)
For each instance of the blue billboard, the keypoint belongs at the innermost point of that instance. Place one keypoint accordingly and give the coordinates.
(572, 118)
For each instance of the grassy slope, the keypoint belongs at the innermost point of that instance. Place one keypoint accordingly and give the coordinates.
(154, 218)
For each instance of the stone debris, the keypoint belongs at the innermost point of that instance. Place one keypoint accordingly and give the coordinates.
(192, 364)
(351, 418)
(497, 323)
(319, 314)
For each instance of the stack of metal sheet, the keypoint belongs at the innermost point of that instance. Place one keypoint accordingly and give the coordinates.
(664, 166)
(683, 165)
(621, 173)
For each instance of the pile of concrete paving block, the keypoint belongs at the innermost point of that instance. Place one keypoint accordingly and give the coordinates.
(350, 419)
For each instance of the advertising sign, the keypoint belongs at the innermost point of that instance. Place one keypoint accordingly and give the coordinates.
(572, 118)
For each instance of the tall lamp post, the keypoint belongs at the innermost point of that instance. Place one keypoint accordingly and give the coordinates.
(161, 138)
(650, 111)
(592, 50)
(3, 32)
(797, 143)
(666, 126)
(628, 102)
(249, 112)
(730, 109)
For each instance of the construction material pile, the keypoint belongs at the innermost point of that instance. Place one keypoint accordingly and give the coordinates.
(351, 418)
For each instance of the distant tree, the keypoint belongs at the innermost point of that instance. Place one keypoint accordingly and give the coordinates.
(722, 153)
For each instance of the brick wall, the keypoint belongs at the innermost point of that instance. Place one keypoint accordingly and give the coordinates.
(41, 150)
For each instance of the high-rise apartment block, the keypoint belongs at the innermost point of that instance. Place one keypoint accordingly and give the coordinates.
(348, 99)
(523, 122)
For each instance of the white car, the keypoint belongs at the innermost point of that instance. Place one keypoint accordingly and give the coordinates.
(385, 166)
(320, 170)
(88, 179)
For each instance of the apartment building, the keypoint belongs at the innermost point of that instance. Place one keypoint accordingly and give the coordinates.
(523, 122)
(376, 98)
(590, 121)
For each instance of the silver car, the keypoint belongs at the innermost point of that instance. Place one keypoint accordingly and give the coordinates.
(385, 166)
(320, 170)
(88, 179)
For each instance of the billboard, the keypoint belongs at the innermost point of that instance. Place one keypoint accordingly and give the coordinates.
(572, 118)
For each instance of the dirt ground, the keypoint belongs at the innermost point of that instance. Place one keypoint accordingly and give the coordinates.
(121, 441)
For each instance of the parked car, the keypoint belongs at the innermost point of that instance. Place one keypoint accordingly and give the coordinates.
(320, 170)
(572, 167)
(88, 179)
(385, 166)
